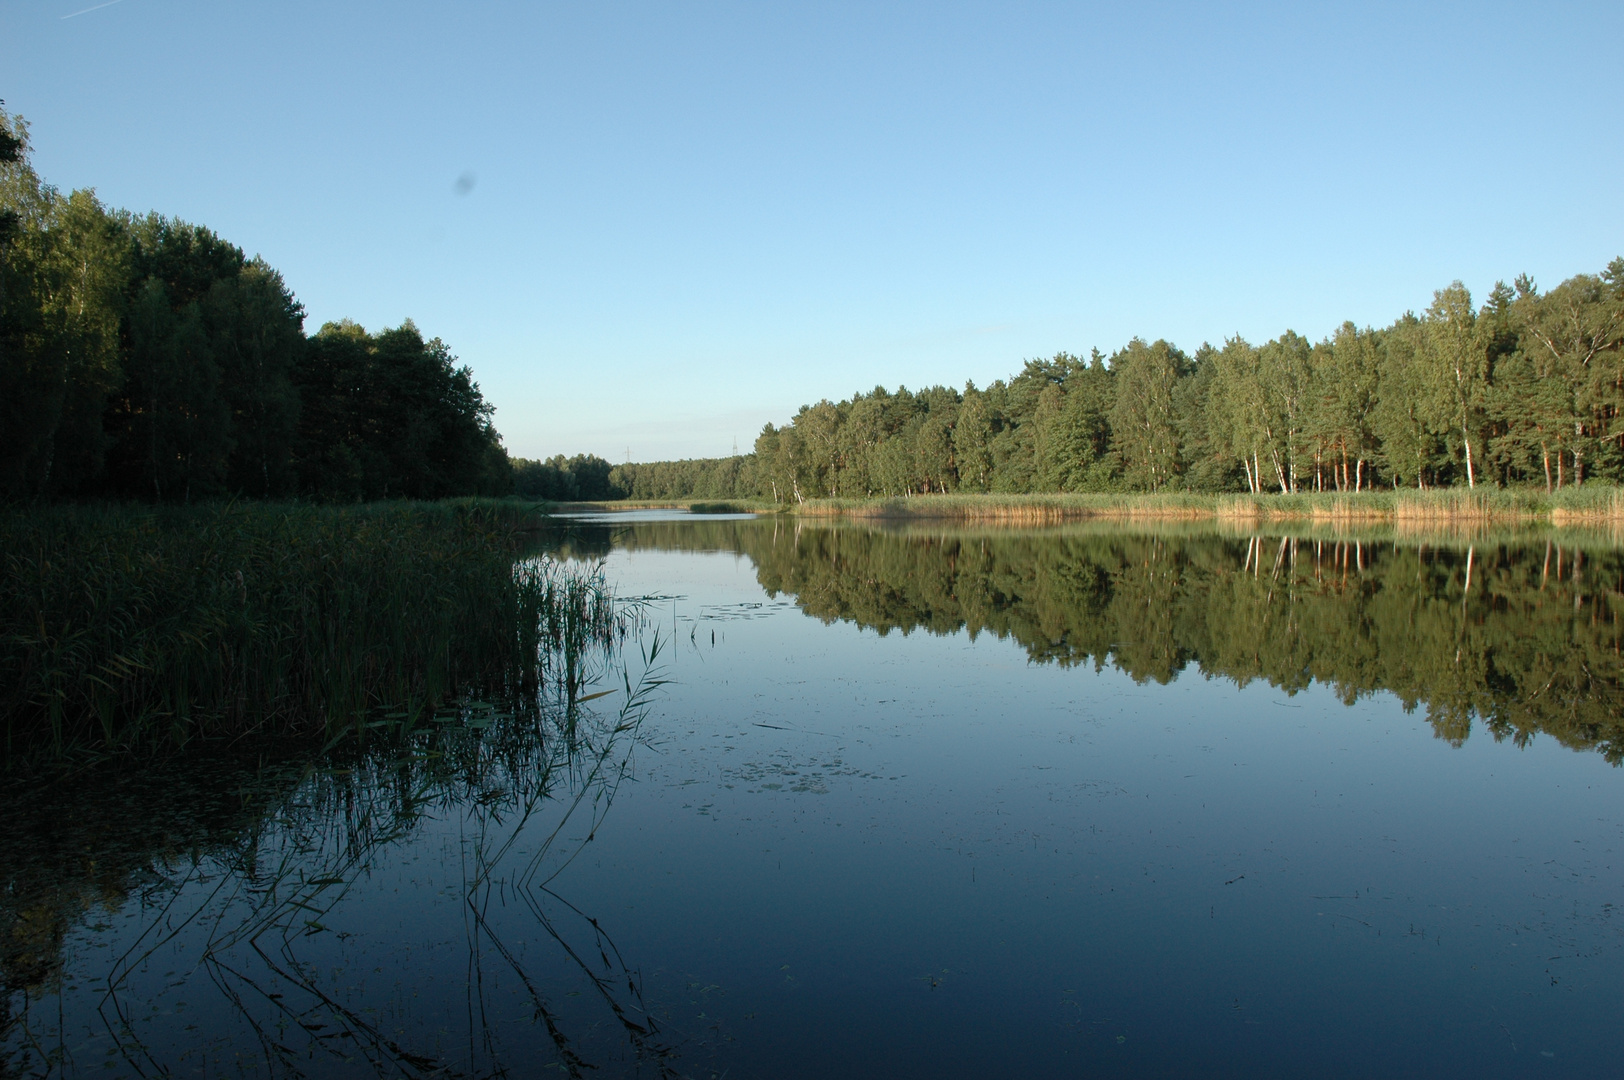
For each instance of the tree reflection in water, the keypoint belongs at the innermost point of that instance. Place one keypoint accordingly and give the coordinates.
(1521, 632)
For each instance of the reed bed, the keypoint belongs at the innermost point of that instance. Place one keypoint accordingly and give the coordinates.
(723, 507)
(1592, 504)
(126, 629)
(697, 506)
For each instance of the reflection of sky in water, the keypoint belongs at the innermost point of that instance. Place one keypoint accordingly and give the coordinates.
(977, 864)
(847, 853)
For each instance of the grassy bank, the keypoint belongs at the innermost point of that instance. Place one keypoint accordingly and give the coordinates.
(1593, 504)
(125, 629)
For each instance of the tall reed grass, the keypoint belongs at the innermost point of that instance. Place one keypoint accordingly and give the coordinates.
(124, 629)
(1592, 503)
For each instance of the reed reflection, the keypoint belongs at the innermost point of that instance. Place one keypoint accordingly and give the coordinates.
(231, 909)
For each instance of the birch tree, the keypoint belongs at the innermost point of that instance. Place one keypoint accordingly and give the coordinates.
(1144, 428)
(1455, 368)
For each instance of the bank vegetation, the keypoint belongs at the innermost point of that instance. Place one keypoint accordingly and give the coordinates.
(127, 629)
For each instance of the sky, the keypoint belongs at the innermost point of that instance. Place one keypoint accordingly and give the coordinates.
(651, 228)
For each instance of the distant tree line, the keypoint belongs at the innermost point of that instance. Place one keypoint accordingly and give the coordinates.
(588, 477)
(144, 357)
(584, 477)
(697, 478)
(1526, 389)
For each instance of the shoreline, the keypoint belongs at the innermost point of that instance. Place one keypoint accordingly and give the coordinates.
(1591, 505)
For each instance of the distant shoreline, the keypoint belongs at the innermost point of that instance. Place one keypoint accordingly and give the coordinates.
(1592, 504)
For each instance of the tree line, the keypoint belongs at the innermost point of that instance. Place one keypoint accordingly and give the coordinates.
(142, 356)
(588, 477)
(584, 477)
(146, 357)
(1526, 389)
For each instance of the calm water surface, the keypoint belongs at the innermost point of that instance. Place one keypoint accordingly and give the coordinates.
(928, 802)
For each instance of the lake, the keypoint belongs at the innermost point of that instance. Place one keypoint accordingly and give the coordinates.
(904, 800)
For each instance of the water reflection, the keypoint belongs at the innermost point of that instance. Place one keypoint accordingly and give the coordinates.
(1520, 632)
(920, 856)
(245, 910)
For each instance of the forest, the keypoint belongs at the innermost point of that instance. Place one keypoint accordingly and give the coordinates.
(584, 477)
(142, 357)
(145, 357)
(1525, 390)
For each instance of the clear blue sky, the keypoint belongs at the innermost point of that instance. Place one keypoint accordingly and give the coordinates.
(685, 220)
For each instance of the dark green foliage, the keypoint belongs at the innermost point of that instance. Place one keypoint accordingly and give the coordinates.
(145, 357)
(584, 477)
(64, 274)
(693, 478)
(392, 416)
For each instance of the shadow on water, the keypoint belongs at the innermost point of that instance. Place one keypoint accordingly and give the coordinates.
(239, 910)
(1519, 630)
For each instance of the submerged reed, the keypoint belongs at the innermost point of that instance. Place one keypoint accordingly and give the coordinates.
(126, 629)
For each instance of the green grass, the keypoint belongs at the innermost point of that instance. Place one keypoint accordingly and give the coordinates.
(127, 629)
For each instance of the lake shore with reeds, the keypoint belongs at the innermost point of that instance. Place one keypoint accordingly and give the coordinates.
(1591, 505)
(1595, 504)
(133, 630)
